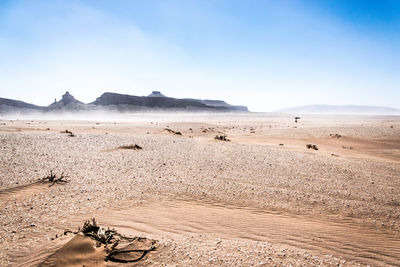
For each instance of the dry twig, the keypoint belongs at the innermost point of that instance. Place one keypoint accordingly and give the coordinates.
(134, 147)
(53, 179)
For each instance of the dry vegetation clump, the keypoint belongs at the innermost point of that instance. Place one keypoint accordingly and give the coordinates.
(172, 131)
(222, 137)
(310, 146)
(119, 248)
(53, 179)
(335, 135)
(296, 119)
(134, 147)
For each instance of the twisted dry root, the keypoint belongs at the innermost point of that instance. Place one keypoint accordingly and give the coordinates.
(112, 237)
(111, 256)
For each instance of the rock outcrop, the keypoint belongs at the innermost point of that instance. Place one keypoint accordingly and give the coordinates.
(219, 103)
(156, 94)
(67, 102)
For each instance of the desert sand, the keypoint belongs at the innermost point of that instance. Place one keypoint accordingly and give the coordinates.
(260, 199)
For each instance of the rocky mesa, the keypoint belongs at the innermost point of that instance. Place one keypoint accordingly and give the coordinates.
(156, 101)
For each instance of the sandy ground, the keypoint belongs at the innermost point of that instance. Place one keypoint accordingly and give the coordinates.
(262, 198)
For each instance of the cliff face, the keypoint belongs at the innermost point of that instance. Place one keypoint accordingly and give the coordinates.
(143, 101)
(220, 103)
(154, 101)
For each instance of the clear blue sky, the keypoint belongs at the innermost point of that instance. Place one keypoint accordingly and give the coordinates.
(263, 54)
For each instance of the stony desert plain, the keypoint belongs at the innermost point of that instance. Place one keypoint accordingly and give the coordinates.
(261, 199)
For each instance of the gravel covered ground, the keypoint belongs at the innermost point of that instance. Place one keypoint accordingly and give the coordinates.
(358, 186)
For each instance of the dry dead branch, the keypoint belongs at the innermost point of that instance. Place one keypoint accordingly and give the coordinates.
(134, 147)
(53, 179)
(172, 131)
(70, 134)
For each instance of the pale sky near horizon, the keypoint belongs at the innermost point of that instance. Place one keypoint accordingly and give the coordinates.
(263, 54)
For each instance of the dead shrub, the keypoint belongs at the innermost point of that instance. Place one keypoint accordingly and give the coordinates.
(310, 146)
(222, 137)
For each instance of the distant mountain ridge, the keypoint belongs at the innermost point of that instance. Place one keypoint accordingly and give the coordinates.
(217, 103)
(121, 102)
(5, 102)
(342, 109)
